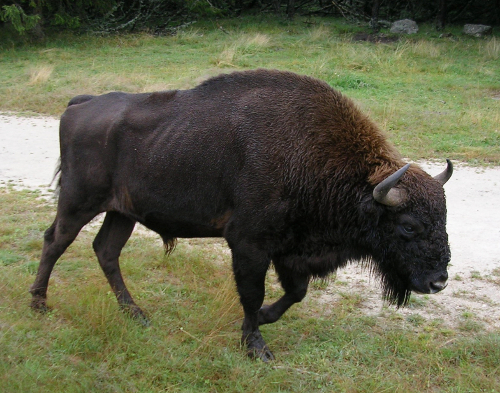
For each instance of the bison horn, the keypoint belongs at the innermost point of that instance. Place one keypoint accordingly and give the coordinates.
(385, 193)
(444, 176)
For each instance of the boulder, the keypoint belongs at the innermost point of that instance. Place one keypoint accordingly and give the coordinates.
(404, 26)
(379, 23)
(477, 30)
(384, 23)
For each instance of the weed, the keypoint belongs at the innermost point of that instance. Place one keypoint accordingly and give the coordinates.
(320, 284)
(8, 258)
(416, 319)
(469, 323)
(418, 301)
(492, 48)
(40, 75)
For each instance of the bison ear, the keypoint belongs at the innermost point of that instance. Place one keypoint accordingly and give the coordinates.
(444, 176)
(369, 214)
(385, 192)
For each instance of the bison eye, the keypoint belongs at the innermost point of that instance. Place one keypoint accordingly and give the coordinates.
(409, 229)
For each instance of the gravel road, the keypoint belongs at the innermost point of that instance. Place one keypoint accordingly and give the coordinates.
(29, 151)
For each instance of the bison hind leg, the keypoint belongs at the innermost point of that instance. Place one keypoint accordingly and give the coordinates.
(57, 239)
(111, 238)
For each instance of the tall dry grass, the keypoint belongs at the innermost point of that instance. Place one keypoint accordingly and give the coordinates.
(40, 75)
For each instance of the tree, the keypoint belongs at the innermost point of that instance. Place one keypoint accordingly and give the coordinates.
(441, 15)
(20, 21)
(32, 17)
(290, 9)
(374, 20)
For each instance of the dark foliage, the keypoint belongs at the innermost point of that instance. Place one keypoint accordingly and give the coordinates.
(35, 16)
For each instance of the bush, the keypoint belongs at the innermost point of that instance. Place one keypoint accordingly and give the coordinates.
(16, 16)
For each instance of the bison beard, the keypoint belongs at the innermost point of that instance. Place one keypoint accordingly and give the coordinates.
(282, 166)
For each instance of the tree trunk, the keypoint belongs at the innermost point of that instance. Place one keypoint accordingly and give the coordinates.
(238, 6)
(38, 29)
(374, 20)
(276, 6)
(290, 9)
(441, 16)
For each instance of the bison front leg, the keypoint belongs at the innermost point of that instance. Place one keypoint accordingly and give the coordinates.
(250, 266)
(295, 286)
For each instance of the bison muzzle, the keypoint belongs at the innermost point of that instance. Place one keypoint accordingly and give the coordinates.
(282, 166)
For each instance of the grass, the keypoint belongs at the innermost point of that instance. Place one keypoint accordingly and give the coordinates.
(86, 344)
(436, 97)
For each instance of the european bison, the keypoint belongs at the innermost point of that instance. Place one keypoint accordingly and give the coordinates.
(282, 166)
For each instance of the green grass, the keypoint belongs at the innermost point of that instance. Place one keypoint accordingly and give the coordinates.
(436, 97)
(86, 344)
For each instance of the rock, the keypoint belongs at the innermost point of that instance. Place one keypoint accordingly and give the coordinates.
(477, 30)
(384, 23)
(375, 38)
(404, 26)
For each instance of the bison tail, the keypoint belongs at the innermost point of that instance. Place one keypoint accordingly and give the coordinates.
(169, 245)
(57, 178)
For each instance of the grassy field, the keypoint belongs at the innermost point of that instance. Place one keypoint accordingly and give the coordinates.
(436, 97)
(85, 344)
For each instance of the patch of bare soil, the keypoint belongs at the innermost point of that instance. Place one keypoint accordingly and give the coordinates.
(379, 38)
(29, 151)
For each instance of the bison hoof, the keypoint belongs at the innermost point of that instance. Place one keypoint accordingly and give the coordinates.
(137, 314)
(143, 320)
(39, 304)
(257, 347)
(263, 354)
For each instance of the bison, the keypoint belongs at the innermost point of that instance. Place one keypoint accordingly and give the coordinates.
(285, 168)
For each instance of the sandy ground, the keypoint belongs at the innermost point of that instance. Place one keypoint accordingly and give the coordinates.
(29, 151)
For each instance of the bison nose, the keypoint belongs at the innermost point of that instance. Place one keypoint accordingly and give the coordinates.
(439, 284)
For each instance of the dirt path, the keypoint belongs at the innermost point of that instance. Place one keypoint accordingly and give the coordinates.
(29, 151)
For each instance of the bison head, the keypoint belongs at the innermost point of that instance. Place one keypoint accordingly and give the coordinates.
(411, 250)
